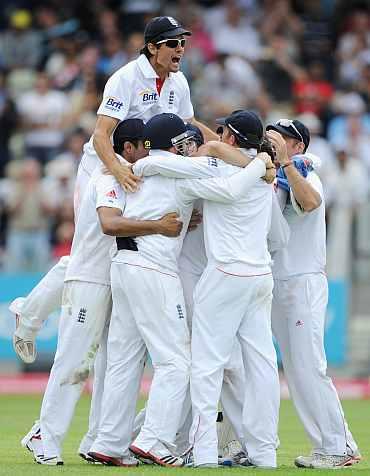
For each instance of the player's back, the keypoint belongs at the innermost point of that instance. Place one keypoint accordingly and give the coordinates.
(90, 258)
(236, 233)
(156, 197)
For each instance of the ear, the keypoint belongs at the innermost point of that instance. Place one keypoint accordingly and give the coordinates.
(152, 48)
(127, 148)
(301, 147)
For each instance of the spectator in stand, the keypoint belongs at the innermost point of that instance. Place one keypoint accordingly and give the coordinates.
(351, 47)
(279, 67)
(72, 150)
(226, 84)
(63, 64)
(133, 44)
(312, 92)
(319, 145)
(237, 36)
(27, 243)
(113, 56)
(346, 192)
(63, 240)
(20, 46)
(363, 86)
(8, 123)
(351, 125)
(42, 112)
(279, 19)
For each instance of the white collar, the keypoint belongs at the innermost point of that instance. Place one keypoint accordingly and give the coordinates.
(250, 152)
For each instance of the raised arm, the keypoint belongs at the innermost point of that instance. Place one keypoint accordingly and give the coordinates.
(104, 128)
(225, 189)
(184, 167)
(304, 193)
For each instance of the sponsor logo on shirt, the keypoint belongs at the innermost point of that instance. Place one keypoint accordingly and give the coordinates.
(149, 96)
(113, 104)
(299, 323)
(112, 194)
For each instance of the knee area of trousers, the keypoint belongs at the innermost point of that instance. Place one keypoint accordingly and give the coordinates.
(174, 366)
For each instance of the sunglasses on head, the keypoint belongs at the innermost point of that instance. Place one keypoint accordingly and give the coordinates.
(289, 123)
(173, 42)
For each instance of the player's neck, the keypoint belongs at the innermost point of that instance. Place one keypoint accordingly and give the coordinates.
(160, 70)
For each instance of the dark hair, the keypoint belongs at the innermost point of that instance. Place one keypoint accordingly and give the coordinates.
(241, 142)
(118, 148)
(145, 50)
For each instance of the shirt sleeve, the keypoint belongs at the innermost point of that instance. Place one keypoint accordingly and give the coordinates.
(223, 189)
(109, 193)
(116, 98)
(279, 233)
(186, 110)
(185, 168)
(313, 179)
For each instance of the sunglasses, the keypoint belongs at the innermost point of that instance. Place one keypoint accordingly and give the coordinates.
(173, 42)
(289, 123)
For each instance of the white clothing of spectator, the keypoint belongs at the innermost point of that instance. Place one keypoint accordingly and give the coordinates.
(42, 111)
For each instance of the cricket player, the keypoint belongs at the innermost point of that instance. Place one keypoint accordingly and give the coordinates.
(299, 307)
(147, 86)
(148, 266)
(86, 302)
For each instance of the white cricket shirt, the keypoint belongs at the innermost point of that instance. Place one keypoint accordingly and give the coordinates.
(90, 255)
(131, 93)
(229, 189)
(306, 249)
(160, 195)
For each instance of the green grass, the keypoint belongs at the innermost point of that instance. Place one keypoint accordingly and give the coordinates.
(17, 414)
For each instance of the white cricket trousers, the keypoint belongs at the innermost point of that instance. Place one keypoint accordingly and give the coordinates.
(298, 322)
(86, 307)
(225, 307)
(148, 313)
(233, 386)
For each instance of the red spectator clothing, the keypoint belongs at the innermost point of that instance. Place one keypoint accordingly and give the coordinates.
(202, 41)
(62, 249)
(312, 96)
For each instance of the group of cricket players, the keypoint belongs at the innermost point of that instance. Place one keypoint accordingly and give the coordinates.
(193, 249)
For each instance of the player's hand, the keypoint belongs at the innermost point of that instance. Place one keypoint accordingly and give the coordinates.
(195, 220)
(126, 178)
(279, 144)
(170, 225)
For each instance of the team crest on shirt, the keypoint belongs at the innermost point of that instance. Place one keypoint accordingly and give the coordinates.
(149, 96)
(114, 104)
(171, 99)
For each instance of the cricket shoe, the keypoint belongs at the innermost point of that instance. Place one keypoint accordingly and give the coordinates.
(188, 458)
(23, 339)
(32, 441)
(88, 458)
(159, 454)
(50, 461)
(125, 461)
(232, 452)
(318, 461)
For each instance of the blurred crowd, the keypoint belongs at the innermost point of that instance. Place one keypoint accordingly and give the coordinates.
(284, 58)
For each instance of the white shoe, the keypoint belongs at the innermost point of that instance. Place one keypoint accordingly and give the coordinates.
(32, 441)
(159, 454)
(318, 461)
(52, 461)
(125, 461)
(230, 453)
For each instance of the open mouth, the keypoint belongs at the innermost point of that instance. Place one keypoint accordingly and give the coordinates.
(176, 60)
